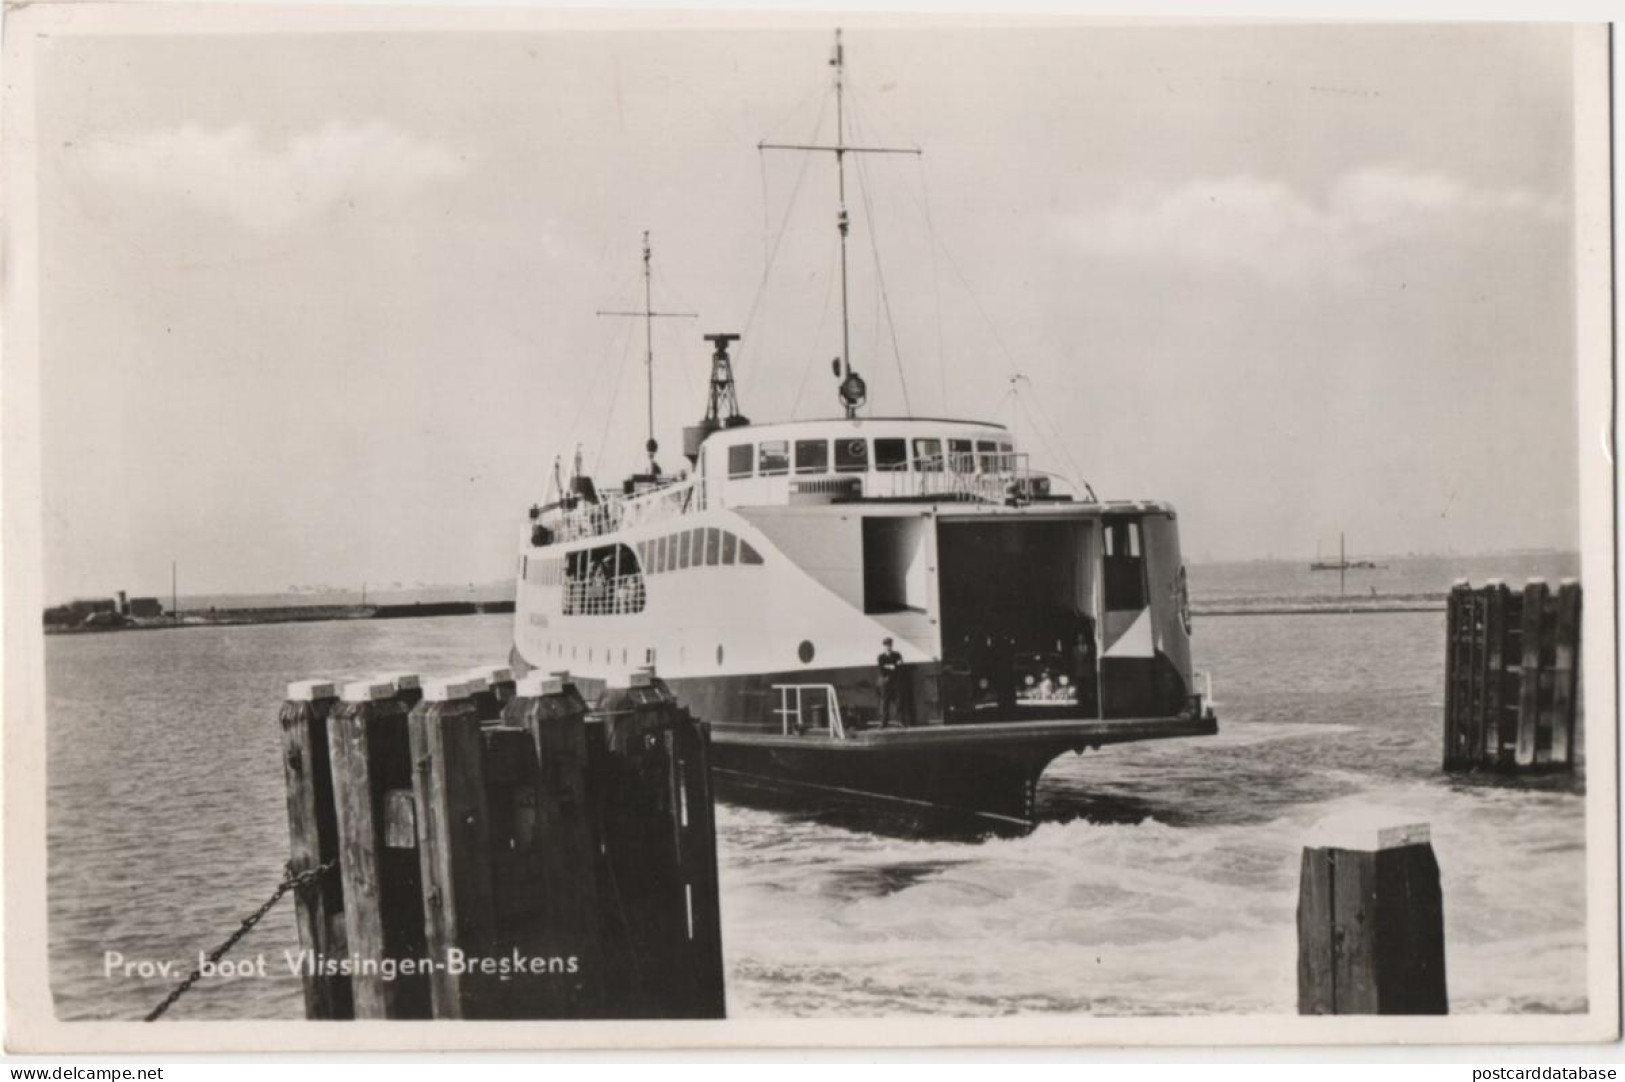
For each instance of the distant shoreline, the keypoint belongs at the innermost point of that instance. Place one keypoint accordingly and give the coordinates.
(293, 614)
(1312, 608)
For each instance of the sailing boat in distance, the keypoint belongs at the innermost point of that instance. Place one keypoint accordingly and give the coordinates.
(1343, 563)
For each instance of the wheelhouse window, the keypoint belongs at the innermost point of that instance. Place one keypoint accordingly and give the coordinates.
(987, 459)
(730, 547)
(812, 456)
(741, 460)
(928, 456)
(891, 455)
(713, 546)
(852, 456)
(961, 456)
(604, 581)
(775, 458)
(681, 543)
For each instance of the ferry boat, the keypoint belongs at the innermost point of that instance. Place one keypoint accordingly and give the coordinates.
(763, 581)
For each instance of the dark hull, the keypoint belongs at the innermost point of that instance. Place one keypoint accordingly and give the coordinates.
(988, 770)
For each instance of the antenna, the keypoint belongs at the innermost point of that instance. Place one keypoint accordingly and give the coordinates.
(649, 315)
(838, 61)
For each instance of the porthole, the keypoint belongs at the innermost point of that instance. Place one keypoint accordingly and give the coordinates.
(805, 651)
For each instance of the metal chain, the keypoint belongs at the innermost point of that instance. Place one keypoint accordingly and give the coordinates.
(293, 882)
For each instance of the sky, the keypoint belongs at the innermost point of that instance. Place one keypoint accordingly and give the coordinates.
(320, 308)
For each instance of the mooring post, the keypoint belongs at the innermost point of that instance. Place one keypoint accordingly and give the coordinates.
(371, 754)
(313, 841)
(1457, 732)
(1566, 672)
(500, 679)
(408, 688)
(569, 916)
(454, 836)
(1371, 923)
(697, 841)
(659, 856)
(1535, 693)
(1500, 713)
(486, 702)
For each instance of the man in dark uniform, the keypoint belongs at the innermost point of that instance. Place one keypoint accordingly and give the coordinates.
(893, 686)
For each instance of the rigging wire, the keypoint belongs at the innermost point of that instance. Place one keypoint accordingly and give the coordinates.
(614, 397)
(813, 354)
(579, 413)
(998, 339)
(761, 158)
(880, 274)
(679, 302)
(778, 241)
(936, 285)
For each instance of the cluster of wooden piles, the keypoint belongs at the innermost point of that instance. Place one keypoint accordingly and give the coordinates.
(1512, 672)
(503, 850)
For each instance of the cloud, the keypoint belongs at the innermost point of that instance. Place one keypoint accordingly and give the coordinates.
(1269, 229)
(267, 186)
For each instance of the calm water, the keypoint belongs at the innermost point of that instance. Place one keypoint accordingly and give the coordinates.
(1163, 881)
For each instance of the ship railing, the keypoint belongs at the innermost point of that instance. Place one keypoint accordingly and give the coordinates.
(604, 596)
(793, 709)
(978, 477)
(615, 512)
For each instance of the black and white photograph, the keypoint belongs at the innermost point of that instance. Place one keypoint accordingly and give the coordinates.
(806, 528)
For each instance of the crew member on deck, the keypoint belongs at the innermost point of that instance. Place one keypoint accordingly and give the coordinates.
(894, 689)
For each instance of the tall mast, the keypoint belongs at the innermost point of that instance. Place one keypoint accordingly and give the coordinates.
(841, 149)
(842, 222)
(649, 315)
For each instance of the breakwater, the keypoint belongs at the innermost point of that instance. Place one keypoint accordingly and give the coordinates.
(293, 614)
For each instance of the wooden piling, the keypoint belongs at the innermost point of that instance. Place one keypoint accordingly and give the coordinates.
(1530, 697)
(1511, 672)
(697, 844)
(491, 688)
(1499, 722)
(545, 862)
(383, 901)
(659, 861)
(550, 709)
(455, 843)
(1371, 927)
(1566, 671)
(313, 841)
